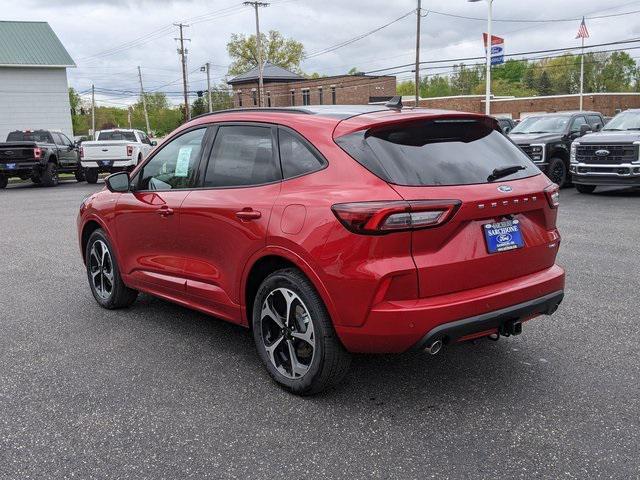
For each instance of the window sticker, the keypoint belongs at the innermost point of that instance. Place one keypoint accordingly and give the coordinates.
(182, 164)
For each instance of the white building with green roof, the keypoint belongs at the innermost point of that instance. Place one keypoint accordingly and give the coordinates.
(33, 79)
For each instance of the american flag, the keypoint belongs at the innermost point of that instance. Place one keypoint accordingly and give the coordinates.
(582, 31)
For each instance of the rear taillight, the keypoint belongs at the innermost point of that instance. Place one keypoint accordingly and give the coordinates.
(377, 218)
(553, 195)
(81, 152)
(37, 153)
(129, 150)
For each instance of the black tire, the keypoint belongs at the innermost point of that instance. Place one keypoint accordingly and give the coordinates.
(36, 179)
(49, 177)
(585, 188)
(4, 181)
(91, 175)
(557, 171)
(119, 295)
(79, 174)
(329, 360)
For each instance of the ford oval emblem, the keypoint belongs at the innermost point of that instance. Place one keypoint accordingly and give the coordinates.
(602, 153)
(505, 188)
(504, 238)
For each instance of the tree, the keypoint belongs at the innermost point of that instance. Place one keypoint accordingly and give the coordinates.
(284, 52)
(465, 80)
(544, 84)
(406, 88)
(354, 71)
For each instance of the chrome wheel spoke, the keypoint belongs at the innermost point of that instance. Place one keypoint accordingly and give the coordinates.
(269, 312)
(272, 348)
(297, 369)
(306, 336)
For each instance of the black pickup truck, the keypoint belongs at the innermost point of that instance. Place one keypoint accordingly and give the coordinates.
(609, 157)
(39, 155)
(547, 138)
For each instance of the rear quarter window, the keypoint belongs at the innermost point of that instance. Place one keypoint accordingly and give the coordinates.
(437, 152)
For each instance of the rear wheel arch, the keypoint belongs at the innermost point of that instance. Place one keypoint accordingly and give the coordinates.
(52, 159)
(88, 228)
(274, 259)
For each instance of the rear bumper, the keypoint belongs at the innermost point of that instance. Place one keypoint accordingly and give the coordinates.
(108, 165)
(397, 326)
(17, 168)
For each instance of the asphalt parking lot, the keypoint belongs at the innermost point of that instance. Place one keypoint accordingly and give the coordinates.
(158, 391)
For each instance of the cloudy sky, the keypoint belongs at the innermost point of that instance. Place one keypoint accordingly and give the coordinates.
(109, 39)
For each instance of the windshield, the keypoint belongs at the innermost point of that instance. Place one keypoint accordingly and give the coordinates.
(438, 152)
(117, 135)
(40, 136)
(546, 124)
(624, 121)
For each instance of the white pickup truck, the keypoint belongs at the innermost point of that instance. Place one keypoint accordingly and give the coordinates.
(114, 151)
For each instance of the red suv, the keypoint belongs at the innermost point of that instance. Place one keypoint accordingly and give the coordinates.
(328, 230)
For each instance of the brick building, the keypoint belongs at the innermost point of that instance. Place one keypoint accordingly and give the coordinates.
(513, 107)
(283, 88)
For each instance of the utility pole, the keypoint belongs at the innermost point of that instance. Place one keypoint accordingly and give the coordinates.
(183, 55)
(129, 116)
(93, 111)
(257, 5)
(418, 17)
(144, 102)
(208, 66)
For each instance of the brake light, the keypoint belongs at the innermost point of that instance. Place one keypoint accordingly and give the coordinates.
(129, 150)
(377, 218)
(81, 152)
(553, 195)
(37, 153)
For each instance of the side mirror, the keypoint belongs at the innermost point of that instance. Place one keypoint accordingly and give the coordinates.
(154, 143)
(507, 130)
(118, 182)
(584, 129)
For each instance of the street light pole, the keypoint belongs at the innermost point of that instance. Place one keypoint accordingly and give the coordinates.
(487, 105)
(418, 16)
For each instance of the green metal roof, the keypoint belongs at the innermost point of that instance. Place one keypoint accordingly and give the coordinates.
(31, 44)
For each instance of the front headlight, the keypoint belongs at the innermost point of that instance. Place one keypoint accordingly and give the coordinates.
(573, 156)
(537, 153)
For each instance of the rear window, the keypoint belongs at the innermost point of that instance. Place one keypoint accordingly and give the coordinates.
(117, 135)
(38, 136)
(437, 152)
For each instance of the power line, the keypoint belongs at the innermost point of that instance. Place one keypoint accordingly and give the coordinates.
(357, 38)
(465, 59)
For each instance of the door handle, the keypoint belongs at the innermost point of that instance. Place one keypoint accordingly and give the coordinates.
(165, 211)
(248, 214)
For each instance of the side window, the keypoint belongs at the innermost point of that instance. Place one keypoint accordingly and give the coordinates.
(296, 156)
(241, 156)
(57, 139)
(575, 124)
(595, 121)
(65, 140)
(173, 166)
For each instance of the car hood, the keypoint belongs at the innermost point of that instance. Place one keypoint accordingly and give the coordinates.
(527, 138)
(610, 137)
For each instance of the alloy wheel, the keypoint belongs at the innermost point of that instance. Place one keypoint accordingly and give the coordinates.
(101, 269)
(287, 333)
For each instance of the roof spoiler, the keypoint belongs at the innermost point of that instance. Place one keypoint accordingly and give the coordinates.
(395, 103)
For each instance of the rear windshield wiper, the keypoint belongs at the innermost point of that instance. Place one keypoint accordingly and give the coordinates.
(504, 172)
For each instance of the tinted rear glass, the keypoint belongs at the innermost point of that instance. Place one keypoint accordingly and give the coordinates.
(39, 136)
(117, 135)
(437, 152)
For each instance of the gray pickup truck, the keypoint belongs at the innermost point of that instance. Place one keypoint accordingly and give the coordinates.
(39, 155)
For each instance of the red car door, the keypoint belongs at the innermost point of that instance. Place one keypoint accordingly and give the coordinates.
(225, 222)
(147, 220)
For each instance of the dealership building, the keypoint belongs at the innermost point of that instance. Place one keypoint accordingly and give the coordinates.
(33, 79)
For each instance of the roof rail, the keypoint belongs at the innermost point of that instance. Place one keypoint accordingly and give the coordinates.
(257, 109)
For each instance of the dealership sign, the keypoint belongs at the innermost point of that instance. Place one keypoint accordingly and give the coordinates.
(497, 49)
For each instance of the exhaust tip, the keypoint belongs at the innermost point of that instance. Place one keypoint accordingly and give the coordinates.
(434, 348)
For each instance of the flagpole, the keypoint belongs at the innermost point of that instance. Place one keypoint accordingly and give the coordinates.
(582, 75)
